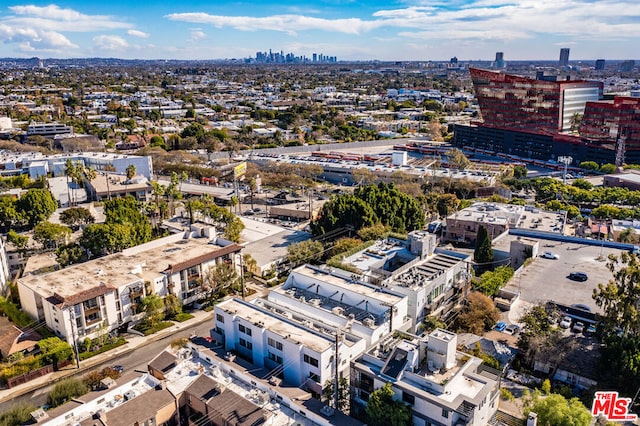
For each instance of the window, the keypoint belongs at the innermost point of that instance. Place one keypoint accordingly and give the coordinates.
(220, 331)
(310, 360)
(274, 343)
(219, 318)
(408, 398)
(275, 358)
(245, 330)
(445, 413)
(314, 377)
(245, 344)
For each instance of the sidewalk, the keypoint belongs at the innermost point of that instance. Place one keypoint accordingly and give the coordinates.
(132, 344)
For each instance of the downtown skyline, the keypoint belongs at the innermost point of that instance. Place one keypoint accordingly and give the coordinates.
(350, 30)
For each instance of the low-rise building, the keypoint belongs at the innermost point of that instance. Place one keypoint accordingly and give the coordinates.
(433, 279)
(108, 185)
(498, 218)
(81, 300)
(441, 385)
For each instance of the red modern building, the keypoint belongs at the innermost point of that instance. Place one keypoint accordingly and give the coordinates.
(544, 119)
(523, 103)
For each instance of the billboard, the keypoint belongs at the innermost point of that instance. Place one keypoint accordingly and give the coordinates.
(240, 170)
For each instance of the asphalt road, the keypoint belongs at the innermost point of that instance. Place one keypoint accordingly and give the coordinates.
(135, 360)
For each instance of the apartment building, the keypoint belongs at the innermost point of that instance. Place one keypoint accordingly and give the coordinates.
(441, 385)
(84, 299)
(433, 279)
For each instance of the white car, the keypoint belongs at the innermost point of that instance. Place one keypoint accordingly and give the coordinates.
(549, 255)
(566, 322)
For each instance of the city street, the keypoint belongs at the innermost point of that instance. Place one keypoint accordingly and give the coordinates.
(136, 359)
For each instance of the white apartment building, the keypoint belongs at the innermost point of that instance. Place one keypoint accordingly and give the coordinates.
(4, 267)
(432, 279)
(298, 355)
(442, 386)
(81, 300)
(293, 332)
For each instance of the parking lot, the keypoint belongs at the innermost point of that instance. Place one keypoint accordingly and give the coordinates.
(547, 279)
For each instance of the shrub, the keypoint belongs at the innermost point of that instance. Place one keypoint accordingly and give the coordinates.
(506, 395)
(65, 391)
(147, 329)
(183, 316)
(17, 415)
(104, 348)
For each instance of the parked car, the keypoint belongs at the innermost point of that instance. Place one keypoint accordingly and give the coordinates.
(578, 327)
(500, 326)
(549, 255)
(118, 368)
(566, 322)
(581, 306)
(591, 329)
(578, 276)
(512, 329)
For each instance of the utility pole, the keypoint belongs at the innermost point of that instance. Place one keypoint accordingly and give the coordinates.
(336, 378)
(72, 316)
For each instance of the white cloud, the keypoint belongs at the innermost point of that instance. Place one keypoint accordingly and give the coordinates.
(136, 33)
(488, 19)
(110, 42)
(197, 35)
(284, 23)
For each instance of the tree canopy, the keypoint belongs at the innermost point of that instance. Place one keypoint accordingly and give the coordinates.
(483, 252)
(383, 410)
(368, 205)
(556, 410)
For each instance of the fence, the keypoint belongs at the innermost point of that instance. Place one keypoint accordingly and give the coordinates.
(24, 378)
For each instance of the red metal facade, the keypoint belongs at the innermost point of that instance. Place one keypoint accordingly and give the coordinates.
(604, 123)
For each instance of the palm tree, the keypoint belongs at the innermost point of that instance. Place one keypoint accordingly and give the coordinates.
(108, 168)
(69, 170)
(90, 174)
(131, 173)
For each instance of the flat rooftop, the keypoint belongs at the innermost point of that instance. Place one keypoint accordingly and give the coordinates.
(140, 263)
(422, 274)
(351, 285)
(279, 326)
(119, 183)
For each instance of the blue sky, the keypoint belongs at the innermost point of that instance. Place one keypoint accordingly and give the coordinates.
(349, 29)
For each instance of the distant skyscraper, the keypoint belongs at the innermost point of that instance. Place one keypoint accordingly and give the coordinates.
(564, 57)
(453, 60)
(499, 62)
(599, 64)
(627, 66)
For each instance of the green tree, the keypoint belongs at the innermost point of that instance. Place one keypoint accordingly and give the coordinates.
(172, 305)
(37, 205)
(383, 410)
(344, 245)
(582, 184)
(589, 165)
(153, 307)
(55, 350)
(70, 254)
(130, 172)
(65, 391)
(51, 235)
(608, 168)
(328, 394)
(219, 280)
(16, 415)
(373, 232)
(10, 215)
(619, 299)
(483, 253)
(556, 410)
(520, 172)
(20, 241)
(304, 252)
(76, 216)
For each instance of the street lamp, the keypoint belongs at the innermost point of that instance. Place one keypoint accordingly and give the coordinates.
(566, 160)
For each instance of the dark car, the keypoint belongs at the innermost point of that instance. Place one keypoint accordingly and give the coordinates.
(118, 368)
(578, 276)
